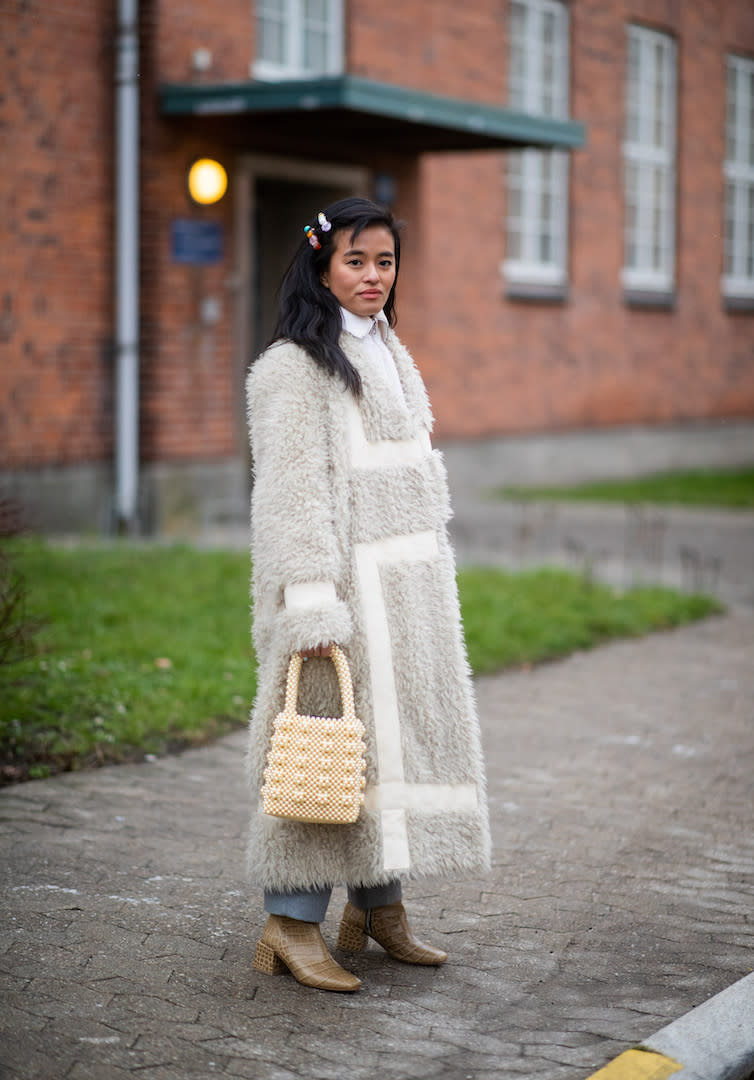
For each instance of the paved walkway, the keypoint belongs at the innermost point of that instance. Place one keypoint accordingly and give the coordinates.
(621, 897)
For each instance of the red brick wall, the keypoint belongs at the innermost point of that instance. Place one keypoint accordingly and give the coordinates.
(226, 29)
(186, 368)
(439, 46)
(56, 299)
(55, 232)
(493, 365)
(497, 365)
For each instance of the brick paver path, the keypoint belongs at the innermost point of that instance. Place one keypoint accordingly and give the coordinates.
(621, 791)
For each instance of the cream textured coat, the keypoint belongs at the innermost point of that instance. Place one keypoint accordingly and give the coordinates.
(349, 544)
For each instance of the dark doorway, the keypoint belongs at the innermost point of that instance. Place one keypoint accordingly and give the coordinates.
(282, 209)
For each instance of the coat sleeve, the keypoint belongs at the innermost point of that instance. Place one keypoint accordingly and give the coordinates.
(298, 564)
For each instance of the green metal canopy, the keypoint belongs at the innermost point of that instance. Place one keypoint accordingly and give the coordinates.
(361, 112)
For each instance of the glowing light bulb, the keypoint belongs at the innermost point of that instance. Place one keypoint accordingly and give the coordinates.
(207, 181)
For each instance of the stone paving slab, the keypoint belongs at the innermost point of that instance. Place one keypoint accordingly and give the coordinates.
(621, 794)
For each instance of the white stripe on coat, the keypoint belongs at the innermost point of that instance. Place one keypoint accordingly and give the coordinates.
(414, 547)
(378, 455)
(422, 798)
(310, 594)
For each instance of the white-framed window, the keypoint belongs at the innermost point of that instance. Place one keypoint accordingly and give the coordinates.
(738, 259)
(298, 39)
(537, 219)
(649, 151)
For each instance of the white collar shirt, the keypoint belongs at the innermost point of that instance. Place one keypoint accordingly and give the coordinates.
(372, 330)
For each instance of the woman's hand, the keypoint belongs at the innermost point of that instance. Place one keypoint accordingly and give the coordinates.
(318, 650)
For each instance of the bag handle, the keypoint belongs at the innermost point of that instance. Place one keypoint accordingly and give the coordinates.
(344, 682)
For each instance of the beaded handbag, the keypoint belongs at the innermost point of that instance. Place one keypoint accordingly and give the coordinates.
(315, 764)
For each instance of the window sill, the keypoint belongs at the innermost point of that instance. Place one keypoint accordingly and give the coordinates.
(740, 304)
(649, 299)
(263, 71)
(536, 292)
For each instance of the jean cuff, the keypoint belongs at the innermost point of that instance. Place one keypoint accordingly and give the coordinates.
(372, 896)
(306, 905)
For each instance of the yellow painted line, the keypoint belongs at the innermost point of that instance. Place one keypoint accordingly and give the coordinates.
(638, 1065)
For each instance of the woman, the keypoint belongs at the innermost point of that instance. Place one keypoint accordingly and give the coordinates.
(349, 545)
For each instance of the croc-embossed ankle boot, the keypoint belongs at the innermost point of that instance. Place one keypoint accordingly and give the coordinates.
(296, 946)
(388, 926)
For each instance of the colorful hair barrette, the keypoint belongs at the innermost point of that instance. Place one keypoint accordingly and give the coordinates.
(311, 236)
(324, 224)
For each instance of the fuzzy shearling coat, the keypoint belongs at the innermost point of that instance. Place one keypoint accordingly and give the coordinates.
(349, 544)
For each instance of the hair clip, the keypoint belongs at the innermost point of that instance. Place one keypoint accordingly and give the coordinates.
(324, 224)
(311, 236)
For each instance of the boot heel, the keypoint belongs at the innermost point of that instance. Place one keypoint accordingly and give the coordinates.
(266, 961)
(351, 938)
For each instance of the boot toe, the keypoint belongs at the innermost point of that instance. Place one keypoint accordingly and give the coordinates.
(389, 927)
(300, 947)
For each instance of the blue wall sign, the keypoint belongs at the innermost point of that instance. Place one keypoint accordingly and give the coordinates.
(199, 243)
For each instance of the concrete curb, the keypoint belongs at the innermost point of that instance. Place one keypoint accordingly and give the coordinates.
(715, 1041)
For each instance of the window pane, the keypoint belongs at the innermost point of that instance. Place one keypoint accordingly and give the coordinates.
(272, 44)
(315, 10)
(750, 124)
(657, 220)
(548, 30)
(731, 149)
(517, 74)
(631, 250)
(548, 84)
(514, 242)
(546, 166)
(545, 207)
(518, 21)
(659, 133)
(632, 92)
(633, 194)
(315, 50)
(632, 181)
(750, 236)
(730, 225)
(514, 203)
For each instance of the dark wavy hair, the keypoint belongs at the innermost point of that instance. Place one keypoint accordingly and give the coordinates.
(308, 313)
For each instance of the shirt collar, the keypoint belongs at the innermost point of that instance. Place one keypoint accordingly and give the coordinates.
(360, 325)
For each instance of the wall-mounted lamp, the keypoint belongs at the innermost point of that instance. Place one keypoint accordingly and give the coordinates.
(207, 181)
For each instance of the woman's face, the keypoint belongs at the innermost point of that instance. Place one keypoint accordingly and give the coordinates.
(362, 271)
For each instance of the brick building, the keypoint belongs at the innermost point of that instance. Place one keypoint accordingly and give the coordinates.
(577, 180)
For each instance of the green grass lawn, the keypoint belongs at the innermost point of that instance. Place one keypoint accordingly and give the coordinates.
(731, 489)
(146, 649)
(536, 615)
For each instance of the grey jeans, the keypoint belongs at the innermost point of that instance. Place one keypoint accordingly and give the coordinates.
(310, 905)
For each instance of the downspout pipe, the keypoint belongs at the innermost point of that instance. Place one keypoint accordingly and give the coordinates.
(127, 267)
